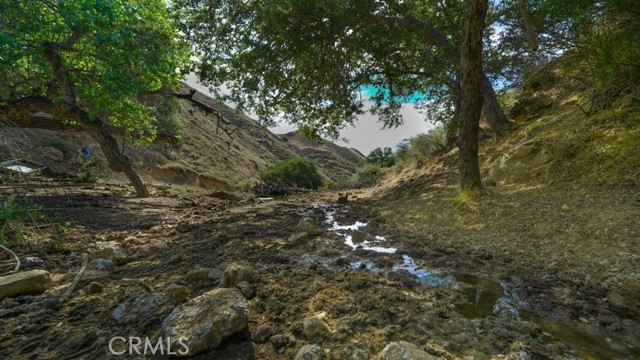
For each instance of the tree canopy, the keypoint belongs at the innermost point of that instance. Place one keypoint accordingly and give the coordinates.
(88, 62)
(307, 61)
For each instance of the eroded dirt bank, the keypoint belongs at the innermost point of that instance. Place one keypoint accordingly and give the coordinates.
(493, 292)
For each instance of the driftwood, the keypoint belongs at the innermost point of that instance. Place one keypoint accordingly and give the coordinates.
(76, 280)
(140, 283)
(13, 255)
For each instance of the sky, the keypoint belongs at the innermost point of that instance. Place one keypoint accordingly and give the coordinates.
(366, 133)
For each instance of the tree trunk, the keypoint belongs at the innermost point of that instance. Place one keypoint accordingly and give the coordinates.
(472, 93)
(492, 110)
(118, 162)
(96, 128)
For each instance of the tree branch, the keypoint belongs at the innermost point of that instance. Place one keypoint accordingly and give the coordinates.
(36, 112)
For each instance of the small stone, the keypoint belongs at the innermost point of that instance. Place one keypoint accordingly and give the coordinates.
(298, 238)
(216, 274)
(238, 272)
(118, 257)
(343, 199)
(308, 225)
(358, 236)
(309, 352)
(26, 282)
(565, 207)
(281, 342)
(101, 265)
(52, 303)
(132, 241)
(140, 308)
(315, 327)
(261, 334)
(584, 320)
(31, 262)
(247, 290)
(403, 350)
(177, 292)
(93, 288)
(197, 274)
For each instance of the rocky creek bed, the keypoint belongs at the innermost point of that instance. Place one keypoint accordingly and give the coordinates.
(282, 279)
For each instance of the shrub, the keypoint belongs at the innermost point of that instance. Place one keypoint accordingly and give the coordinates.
(381, 157)
(422, 147)
(368, 174)
(297, 172)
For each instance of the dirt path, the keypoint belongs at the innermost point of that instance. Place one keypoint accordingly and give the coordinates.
(369, 298)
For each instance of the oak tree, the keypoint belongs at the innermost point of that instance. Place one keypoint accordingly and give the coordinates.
(84, 64)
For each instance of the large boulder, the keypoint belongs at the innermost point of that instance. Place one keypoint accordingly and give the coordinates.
(403, 350)
(25, 283)
(206, 321)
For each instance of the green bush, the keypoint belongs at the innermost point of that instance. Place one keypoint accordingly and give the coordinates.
(381, 157)
(368, 174)
(422, 147)
(297, 172)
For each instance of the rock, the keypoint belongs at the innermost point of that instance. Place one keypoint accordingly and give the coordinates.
(207, 320)
(31, 262)
(315, 327)
(565, 207)
(519, 162)
(261, 334)
(216, 274)
(177, 292)
(101, 265)
(343, 199)
(197, 274)
(139, 308)
(403, 350)
(119, 257)
(358, 236)
(247, 290)
(132, 241)
(281, 342)
(308, 225)
(93, 288)
(309, 352)
(52, 303)
(298, 238)
(238, 272)
(26, 282)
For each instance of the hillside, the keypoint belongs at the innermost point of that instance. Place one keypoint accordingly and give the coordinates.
(225, 154)
(232, 151)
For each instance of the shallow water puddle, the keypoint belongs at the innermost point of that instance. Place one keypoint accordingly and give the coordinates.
(409, 265)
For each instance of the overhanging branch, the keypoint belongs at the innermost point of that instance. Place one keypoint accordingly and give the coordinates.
(36, 112)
